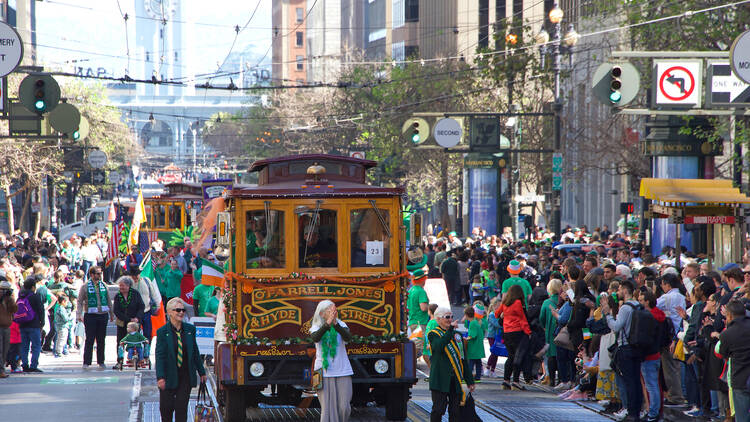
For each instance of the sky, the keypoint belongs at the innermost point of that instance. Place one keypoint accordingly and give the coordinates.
(91, 34)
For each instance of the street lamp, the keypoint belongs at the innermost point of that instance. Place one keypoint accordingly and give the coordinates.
(560, 43)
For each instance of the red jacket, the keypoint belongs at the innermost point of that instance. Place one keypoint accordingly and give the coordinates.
(659, 316)
(514, 318)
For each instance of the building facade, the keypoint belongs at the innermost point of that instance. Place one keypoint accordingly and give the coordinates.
(289, 20)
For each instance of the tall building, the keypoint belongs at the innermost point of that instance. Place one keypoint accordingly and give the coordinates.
(289, 21)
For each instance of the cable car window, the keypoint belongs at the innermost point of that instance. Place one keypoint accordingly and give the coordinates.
(370, 237)
(175, 216)
(264, 239)
(160, 216)
(317, 242)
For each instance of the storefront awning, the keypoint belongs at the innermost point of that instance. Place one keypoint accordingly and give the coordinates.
(699, 191)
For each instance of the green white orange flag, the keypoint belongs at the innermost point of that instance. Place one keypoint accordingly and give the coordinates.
(212, 274)
(139, 217)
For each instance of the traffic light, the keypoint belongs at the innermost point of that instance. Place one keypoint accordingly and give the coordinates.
(416, 130)
(39, 93)
(627, 208)
(616, 84)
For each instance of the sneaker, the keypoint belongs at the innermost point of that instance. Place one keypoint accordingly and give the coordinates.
(17, 370)
(694, 412)
(477, 380)
(57, 355)
(36, 370)
(486, 372)
(654, 419)
(25, 369)
(563, 386)
(517, 386)
(102, 366)
(86, 366)
(603, 403)
(577, 395)
(506, 385)
(621, 414)
(675, 403)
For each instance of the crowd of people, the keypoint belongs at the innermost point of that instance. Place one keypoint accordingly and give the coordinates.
(54, 298)
(605, 320)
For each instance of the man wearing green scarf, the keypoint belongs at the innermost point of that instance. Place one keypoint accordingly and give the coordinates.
(449, 367)
(94, 305)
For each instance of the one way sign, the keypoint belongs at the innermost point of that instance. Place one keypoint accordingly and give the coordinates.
(725, 89)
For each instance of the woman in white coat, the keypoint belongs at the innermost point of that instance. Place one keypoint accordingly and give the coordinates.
(329, 334)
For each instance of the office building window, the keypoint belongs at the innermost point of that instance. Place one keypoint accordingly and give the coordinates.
(148, 56)
(399, 11)
(300, 37)
(300, 63)
(484, 22)
(398, 51)
(175, 56)
(412, 10)
(300, 14)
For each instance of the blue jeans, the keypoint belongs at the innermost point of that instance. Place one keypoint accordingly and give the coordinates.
(691, 385)
(741, 405)
(85, 267)
(650, 372)
(631, 374)
(31, 337)
(565, 361)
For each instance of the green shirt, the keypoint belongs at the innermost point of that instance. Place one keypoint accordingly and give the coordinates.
(475, 340)
(525, 286)
(417, 295)
(213, 305)
(169, 282)
(202, 293)
(430, 326)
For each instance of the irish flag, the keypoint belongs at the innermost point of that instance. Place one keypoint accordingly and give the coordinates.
(212, 274)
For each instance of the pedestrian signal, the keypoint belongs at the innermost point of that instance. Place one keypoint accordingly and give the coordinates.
(627, 208)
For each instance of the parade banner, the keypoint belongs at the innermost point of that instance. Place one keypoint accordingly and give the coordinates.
(286, 310)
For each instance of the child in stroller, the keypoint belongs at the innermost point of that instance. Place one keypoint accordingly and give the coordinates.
(134, 343)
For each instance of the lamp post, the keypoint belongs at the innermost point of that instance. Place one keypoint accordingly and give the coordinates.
(560, 43)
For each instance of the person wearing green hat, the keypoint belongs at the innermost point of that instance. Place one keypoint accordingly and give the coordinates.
(514, 269)
(416, 305)
(453, 241)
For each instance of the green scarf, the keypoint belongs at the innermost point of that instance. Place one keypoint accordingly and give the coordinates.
(103, 297)
(124, 302)
(329, 343)
(455, 353)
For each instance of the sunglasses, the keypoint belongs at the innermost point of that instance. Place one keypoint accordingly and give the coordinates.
(447, 316)
(96, 273)
(180, 310)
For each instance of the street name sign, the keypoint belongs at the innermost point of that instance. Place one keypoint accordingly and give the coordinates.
(739, 56)
(447, 132)
(114, 177)
(97, 159)
(529, 198)
(11, 49)
(483, 161)
(678, 83)
(725, 89)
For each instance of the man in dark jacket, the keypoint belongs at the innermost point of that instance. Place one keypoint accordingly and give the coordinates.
(449, 269)
(31, 331)
(8, 307)
(733, 345)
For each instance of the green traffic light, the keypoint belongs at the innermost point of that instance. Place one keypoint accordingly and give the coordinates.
(76, 135)
(39, 105)
(415, 137)
(615, 96)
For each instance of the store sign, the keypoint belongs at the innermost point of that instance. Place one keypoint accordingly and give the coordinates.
(680, 148)
(483, 161)
(710, 219)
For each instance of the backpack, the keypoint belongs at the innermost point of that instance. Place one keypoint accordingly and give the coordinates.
(643, 328)
(25, 312)
(666, 333)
